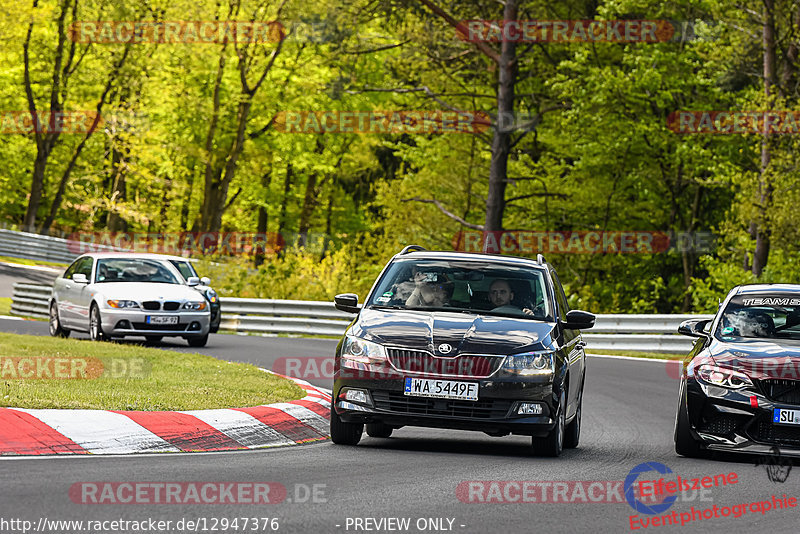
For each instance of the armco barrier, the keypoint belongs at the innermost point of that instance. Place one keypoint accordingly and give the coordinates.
(650, 333)
(39, 247)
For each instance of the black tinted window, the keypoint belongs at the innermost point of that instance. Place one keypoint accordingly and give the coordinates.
(561, 299)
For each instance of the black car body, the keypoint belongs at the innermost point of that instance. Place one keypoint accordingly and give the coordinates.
(187, 270)
(740, 388)
(517, 368)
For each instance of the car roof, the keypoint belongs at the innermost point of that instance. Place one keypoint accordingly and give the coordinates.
(471, 256)
(137, 255)
(768, 288)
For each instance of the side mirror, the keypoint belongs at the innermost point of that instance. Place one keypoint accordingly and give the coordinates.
(578, 320)
(80, 278)
(206, 281)
(192, 281)
(694, 328)
(347, 302)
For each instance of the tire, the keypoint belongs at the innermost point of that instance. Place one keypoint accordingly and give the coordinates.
(56, 330)
(344, 433)
(379, 430)
(198, 341)
(154, 339)
(553, 443)
(685, 444)
(96, 324)
(572, 434)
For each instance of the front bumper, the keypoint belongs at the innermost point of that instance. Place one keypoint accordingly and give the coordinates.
(132, 322)
(494, 412)
(739, 420)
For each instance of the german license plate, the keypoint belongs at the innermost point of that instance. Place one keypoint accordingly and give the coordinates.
(441, 389)
(782, 416)
(161, 319)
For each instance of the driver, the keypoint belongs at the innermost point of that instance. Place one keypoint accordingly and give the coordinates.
(500, 295)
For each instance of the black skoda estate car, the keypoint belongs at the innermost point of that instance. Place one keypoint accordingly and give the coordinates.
(740, 388)
(462, 341)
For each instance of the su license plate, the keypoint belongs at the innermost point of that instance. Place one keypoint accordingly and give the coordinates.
(782, 416)
(441, 389)
(162, 319)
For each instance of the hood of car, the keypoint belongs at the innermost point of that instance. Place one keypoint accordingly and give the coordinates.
(759, 358)
(141, 291)
(462, 332)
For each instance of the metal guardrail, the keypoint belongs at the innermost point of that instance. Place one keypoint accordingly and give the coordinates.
(634, 332)
(41, 247)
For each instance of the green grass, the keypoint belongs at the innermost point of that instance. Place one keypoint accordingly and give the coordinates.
(155, 379)
(5, 305)
(636, 354)
(25, 261)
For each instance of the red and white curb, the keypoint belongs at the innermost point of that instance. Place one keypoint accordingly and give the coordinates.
(46, 432)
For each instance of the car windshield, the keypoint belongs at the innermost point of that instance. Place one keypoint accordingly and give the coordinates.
(760, 316)
(133, 270)
(464, 286)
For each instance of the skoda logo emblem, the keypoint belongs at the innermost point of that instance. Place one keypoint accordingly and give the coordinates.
(444, 348)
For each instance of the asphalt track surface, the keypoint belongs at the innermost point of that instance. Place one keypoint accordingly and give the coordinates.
(629, 409)
(11, 274)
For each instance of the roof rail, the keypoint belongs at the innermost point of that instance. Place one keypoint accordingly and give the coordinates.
(411, 248)
(540, 259)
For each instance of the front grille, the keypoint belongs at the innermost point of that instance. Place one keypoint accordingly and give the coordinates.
(765, 431)
(404, 404)
(171, 306)
(781, 390)
(417, 361)
(151, 305)
(145, 326)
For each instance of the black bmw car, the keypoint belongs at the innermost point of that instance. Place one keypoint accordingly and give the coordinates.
(462, 341)
(740, 389)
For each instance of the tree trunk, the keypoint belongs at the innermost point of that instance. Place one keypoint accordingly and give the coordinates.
(501, 142)
(287, 187)
(761, 254)
(263, 212)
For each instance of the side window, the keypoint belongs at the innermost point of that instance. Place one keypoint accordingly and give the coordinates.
(561, 299)
(84, 267)
(71, 269)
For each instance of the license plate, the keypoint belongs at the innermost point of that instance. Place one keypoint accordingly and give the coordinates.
(782, 416)
(441, 389)
(161, 319)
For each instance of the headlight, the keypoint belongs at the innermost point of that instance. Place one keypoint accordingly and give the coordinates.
(360, 350)
(195, 306)
(123, 303)
(719, 376)
(530, 363)
(211, 295)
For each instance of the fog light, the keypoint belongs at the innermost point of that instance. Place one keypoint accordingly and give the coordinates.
(194, 326)
(529, 408)
(356, 395)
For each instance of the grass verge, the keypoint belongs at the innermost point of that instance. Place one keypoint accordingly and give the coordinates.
(5, 305)
(636, 354)
(128, 377)
(26, 261)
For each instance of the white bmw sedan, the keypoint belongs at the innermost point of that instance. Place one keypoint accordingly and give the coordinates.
(127, 294)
